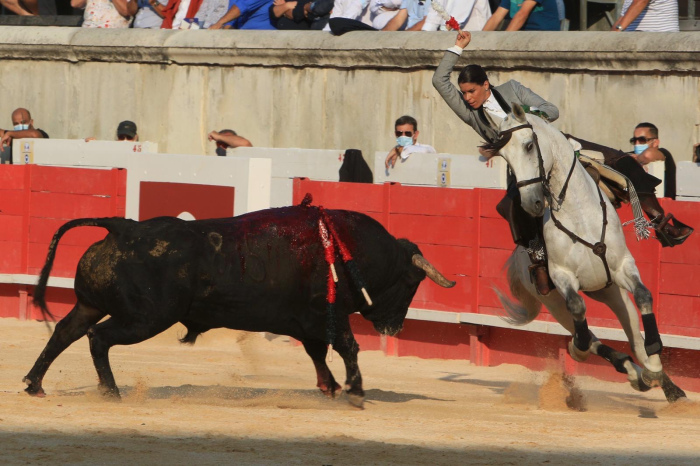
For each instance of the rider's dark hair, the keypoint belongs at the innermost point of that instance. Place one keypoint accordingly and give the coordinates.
(407, 120)
(472, 74)
(653, 130)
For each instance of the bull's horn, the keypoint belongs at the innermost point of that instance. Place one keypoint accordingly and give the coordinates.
(422, 263)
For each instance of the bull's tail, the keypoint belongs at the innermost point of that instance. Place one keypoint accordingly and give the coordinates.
(525, 307)
(113, 225)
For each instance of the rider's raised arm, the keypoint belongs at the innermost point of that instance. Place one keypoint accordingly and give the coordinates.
(528, 97)
(448, 91)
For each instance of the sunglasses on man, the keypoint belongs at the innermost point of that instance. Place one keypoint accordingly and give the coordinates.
(641, 139)
(404, 133)
(124, 137)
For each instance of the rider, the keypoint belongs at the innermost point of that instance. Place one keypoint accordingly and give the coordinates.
(482, 102)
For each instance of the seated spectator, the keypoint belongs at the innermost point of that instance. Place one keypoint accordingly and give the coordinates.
(23, 127)
(471, 15)
(406, 132)
(410, 17)
(246, 14)
(211, 11)
(382, 11)
(646, 150)
(150, 14)
(348, 9)
(648, 16)
(227, 138)
(176, 11)
(301, 15)
(126, 131)
(106, 13)
(22, 7)
(528, 15)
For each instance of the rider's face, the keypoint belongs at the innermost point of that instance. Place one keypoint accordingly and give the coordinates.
(475, 94)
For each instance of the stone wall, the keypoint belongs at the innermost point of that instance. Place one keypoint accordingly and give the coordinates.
(314, 90)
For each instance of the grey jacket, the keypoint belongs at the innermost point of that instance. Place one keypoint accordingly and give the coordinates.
(511, 91)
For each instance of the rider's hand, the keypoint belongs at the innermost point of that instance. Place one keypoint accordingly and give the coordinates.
(463, 39)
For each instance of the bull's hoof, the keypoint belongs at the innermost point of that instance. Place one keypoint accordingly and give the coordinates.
(357, 401)
(576, 354)
(330, 392)
(652, 379)
(33, 389)
(109, 394)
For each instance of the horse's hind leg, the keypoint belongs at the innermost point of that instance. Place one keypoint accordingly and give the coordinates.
(68, 330)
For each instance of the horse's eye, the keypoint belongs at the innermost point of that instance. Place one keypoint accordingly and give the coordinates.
(529, 146)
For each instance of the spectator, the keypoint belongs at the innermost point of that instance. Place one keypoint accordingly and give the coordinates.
(126, 131)
(22, 7)
(647, 150)
(382, 11)
(696, 153)
(354, 168)
(526, 15)
(227, 138)
(176, 11)
(210, 12)
(107, 13)
(23, 127)
(150, 14)
(301, 15)
(648, 16)
(246, 14)
(349, 9)
(472, 15)
(406, 131)
(410, 17)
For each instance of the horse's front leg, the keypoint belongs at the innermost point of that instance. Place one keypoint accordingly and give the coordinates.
(568, 286)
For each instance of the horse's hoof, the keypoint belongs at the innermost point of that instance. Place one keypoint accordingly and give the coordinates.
(357, 401)
(576, 354)
(652, 379)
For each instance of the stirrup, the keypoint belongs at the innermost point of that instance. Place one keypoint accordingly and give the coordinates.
(667, 240)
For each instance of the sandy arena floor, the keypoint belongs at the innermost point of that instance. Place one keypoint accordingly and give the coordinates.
(238, 398)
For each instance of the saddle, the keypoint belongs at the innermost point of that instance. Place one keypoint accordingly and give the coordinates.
(612, 183)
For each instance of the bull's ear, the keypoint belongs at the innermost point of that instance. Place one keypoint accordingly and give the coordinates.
(518, 112)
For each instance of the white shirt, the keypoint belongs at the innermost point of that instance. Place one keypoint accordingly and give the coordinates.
(352, 9)
(493, 107)
(658, 16)
(417, 149)
(470, 14)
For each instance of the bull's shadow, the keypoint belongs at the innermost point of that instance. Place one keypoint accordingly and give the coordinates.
(288, 398)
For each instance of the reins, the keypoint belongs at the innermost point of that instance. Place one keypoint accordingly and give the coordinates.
(598, 248)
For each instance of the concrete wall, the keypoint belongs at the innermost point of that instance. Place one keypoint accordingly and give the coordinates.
(314, 90)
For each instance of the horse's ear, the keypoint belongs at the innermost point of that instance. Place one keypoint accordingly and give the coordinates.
(518, 112)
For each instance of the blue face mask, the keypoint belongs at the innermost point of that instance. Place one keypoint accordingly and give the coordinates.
(639, 148)
(404, 141)
(21, 127)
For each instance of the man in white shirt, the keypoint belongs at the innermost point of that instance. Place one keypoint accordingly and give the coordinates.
(406, 132)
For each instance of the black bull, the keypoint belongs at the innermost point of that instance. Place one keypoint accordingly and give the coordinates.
(264, 271)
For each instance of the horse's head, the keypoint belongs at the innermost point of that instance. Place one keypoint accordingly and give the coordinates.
(518, 144)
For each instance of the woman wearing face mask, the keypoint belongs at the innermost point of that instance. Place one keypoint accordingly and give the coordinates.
(406, 132)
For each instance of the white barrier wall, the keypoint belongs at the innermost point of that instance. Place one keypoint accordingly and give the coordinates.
(444, 170)
(287, 164)
(77, 152)
(687, 181)
(250, 176)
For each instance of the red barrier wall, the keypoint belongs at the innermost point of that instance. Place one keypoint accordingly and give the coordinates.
(459, 231)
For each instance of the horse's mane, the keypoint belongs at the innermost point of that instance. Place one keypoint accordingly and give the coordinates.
(503, 139)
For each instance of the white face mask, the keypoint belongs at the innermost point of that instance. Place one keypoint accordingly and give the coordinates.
(404, 141)
(21, 127)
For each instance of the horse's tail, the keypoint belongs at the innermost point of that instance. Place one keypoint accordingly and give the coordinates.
(39, 299)
(525, 307)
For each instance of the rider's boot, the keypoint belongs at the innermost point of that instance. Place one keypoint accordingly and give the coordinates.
(669, 231)
(539, 275)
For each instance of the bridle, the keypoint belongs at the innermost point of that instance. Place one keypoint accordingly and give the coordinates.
(598, 248)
